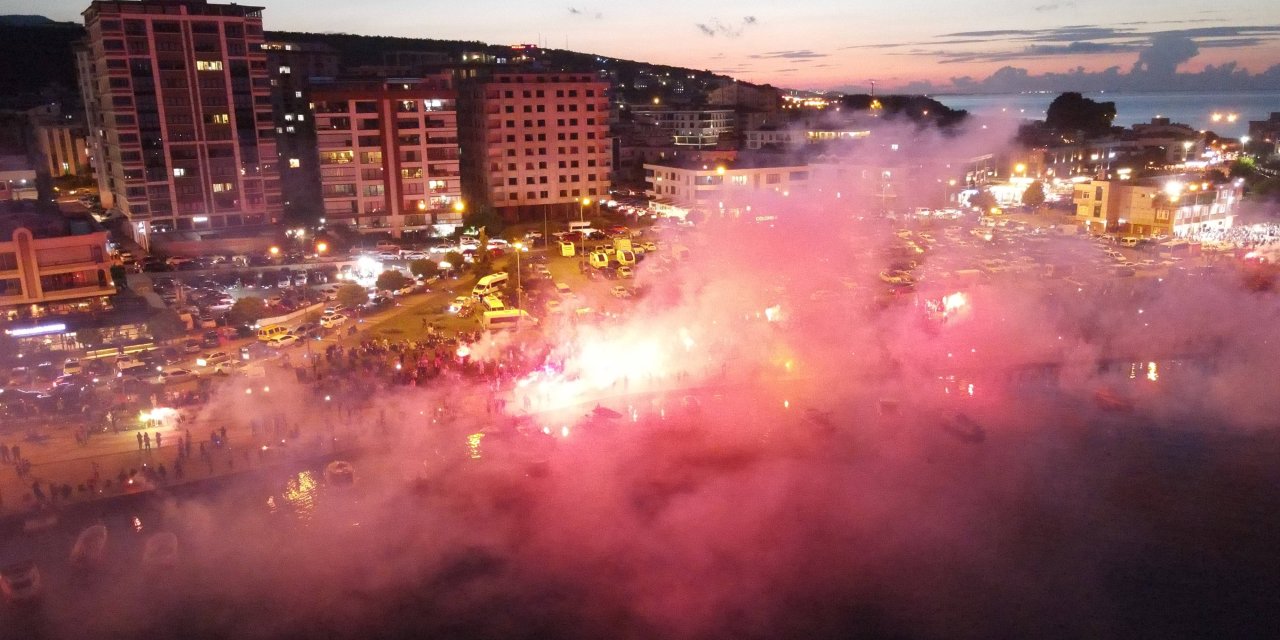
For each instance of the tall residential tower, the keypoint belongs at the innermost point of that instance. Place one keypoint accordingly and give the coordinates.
(179, 105)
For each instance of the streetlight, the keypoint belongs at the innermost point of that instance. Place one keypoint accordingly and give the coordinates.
(582, 237)
(322, 247)
(519, 247)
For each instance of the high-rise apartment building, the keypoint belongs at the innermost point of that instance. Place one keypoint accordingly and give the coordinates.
(179, 103)
(535, 142)
(389, 154)
(292, 66)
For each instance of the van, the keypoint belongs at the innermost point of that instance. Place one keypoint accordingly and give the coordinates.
(625, 258)
(584, 227)
(266, 334)
(492, 303)
(599, 259)
(507, 319)
(489, 284)
(1128, 241)
(567, 249)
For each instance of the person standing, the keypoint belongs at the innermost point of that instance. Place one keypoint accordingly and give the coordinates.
(158, 434)
(146, 440)
(139, 434)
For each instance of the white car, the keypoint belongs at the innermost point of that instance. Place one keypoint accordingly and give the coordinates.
(280, 342)
(332, 320)
(72, 366)
(625, 272)
(621, 292)
(176, 375)
(214, 358)
(650, 246)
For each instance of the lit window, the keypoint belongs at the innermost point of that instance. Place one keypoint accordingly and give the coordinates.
(285, 70)
(221, 118)
(179, 172)
(289, 129)
(288, 117)
(297, 94)
(208, 65)
(294, 163)
(301, 117)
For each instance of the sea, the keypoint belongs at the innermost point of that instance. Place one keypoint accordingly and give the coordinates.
(1194, 109)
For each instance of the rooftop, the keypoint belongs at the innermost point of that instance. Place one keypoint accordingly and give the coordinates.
(42, 223)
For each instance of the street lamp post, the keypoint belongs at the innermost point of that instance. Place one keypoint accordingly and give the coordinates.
(519, 247)
(582, 238)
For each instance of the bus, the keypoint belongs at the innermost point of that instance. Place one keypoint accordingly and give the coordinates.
(507, 319)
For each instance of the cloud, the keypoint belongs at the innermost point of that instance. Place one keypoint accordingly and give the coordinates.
(586, 13)
(795, 54)
(715, 27)
(1166, 52)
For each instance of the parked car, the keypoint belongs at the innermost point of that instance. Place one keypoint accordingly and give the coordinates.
(280, 342)
(210, 339)
(213, 358)
(176, 376)
(72, 366)
(332, 320)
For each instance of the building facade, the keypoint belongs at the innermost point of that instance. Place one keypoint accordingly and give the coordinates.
(179, 99)
(17, 179)
(1171, 207)
(701, 128)
(711, 187)
(535, 142)
(292, 66)
(389, 154)
(46, 261)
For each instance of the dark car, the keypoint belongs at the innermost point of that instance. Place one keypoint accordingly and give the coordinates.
(210, 339)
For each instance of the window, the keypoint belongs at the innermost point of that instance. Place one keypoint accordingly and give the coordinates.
(179, 172)
(219, 187)
(208, 65)
(219, 118)
(294, 163)
(285, 70)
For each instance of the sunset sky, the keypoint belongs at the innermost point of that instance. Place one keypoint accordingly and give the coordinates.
(819, 44)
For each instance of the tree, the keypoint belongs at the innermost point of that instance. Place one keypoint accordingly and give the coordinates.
(165, 325)
(1071, 112)
(391, 280)
(485, 217)
(1034, 195)
(423, 268)
(351, 295)
(983, 200)
(119, 277)
(89, 336)
(455, 260)
(247, 311)
(483, 259)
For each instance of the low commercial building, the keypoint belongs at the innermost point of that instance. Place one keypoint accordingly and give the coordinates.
(701, 128)
(727, 186)
(49, 263)
(17, 179)
(1156, 207)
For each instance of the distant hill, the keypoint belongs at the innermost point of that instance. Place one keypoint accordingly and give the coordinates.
(44, 48)
(38, 56)
(28, 21)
